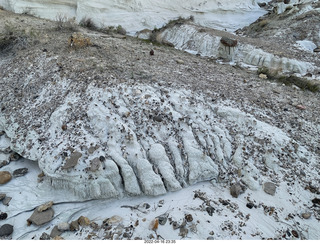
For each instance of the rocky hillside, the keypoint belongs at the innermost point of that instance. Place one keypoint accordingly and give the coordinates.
(107, 116)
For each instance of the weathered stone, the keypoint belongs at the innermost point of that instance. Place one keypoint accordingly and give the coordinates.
(5, 177)
(44, 236)
(3, 216)
(14, 156)
(163, 219)
(226, 41)
(113, 220)
(6, 201)
(20, 172)
(95, 164)
(286, 1)
(263, 76)
(55, 232)
(72, 161)
(83, 221)
(4, 163)
(210, 210)
(306, 215)
(183, 232)
(317, 50)
(45, 206)
(269, 188)
(2, 196)
(58, 238)
(74, 226)
(63, 226)
(40, 218)
(6, 230)
(188, 217)
(235, 190)
(179, 61)
(250, 205)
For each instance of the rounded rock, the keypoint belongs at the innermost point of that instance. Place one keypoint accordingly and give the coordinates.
(63, 226)
(3, 216)
(6, 230)
(5, 177)
(306, 215)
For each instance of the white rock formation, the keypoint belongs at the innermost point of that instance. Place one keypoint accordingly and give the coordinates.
(192, 39)
(144, 139)
(136, 15)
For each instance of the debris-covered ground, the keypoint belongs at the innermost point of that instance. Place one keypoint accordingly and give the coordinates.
(189, 148)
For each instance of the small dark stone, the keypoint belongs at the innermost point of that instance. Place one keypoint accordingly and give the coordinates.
(235, 190)
(2, 133)
(6, 230)
(188, 217)
(162, 219)
(44, 236)
(261, 5)
(6, 201)
(226, 41)
(210, 210)
(175, 225)
(295, 233)
(3, 216)
(4, 163)
(2, 196)
(225, 202)
(102, 158)
(157, 118)
(74, 226)
(317, 50)
(316, 201)
(64, 127)
(20, 172)
(44, 50)
(14, 156)
(250, 205)
(286, 1)
(151, 52)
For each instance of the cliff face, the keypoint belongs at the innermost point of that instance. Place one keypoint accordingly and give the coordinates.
(136, 15)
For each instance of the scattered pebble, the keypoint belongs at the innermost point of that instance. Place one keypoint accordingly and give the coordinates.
(188, 218)
(74, 226)
(6, 201)
(235, 190)
(210, 210)
(45, 206)
(162, 219)
(263, 76)
(179, 61)
(5, 177)
(183, 232)
(14, 156)
(269, 188)
(154, 224)
(3, 216)
(2, 196)
(55, 232)
(306, 215)
(20, 172)
(83, 221)
(44, 236)
(250, 205)
(113, 220)
(63, 226)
